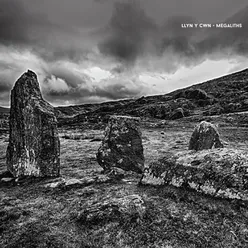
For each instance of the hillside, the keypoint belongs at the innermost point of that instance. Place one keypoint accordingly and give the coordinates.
(227, 94)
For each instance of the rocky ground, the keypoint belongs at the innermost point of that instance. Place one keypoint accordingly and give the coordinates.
(85, 208)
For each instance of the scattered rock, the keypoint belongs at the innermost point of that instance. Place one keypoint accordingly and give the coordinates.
(117, 173)
(122, 145)
(74, 182)
(34, 146)
(219, 172)
(131, 207)
(205, 136)
(196, 94)
(7, 180)
(96, 139)
(87, 191)
(177, 114)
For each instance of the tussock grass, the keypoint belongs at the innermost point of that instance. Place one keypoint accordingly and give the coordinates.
(34, 216)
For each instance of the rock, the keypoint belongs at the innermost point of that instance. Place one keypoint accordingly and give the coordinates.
(128, 208)
(205, 136)
(74, 182)
(34, 147)
(122, 145)
(96, 139)
(177, 114)
(117, 173)
(196, 94)
(7, 180)
(220, 172)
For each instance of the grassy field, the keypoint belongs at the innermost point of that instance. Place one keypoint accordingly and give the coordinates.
(96, 213)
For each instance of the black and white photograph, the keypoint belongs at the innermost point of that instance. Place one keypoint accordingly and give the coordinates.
(123, 124)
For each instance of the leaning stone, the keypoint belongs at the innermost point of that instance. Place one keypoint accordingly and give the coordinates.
(122, 145)
(205, 136)
(34, 147)
(219, 172)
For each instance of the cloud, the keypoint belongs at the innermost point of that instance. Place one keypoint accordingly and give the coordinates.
(127, 32)
(57, 85)
(95, 50)
(133, 37)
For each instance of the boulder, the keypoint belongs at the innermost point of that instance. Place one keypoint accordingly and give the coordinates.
(196, 94)
(177, 114)
(205, 136)
(122, 145)
(34, 147)
(220, 172)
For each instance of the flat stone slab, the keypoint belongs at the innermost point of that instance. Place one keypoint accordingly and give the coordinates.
(219, 172)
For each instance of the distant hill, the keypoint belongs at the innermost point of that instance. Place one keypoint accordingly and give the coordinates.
(227, 94)
(222, 95)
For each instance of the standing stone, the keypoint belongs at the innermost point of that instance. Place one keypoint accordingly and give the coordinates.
(34, 146)
(205, 136)
(122, 145)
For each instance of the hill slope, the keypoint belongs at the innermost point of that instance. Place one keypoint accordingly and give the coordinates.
(227, 94)
(222, 95)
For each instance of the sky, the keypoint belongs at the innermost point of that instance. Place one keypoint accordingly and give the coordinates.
(103, 50)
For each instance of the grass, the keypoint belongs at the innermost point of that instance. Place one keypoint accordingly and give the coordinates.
(32, 215)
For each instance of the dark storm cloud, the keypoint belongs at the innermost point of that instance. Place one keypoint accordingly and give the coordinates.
(55, 29)
(100, 32)
(14, 22)
(129, 30)
(133, 35)
(22, 25)
(233, 41)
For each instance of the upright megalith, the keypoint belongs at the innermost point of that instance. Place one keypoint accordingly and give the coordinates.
(122, 145)
(34, 147)
(205, 136)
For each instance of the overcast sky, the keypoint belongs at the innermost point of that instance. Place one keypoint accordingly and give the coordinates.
(98, 50)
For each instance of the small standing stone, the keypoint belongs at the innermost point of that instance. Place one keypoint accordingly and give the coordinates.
(34, 147)
(122, 145)
(205, 136)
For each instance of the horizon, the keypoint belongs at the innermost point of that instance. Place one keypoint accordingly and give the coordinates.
(109, 50)
(126, 99)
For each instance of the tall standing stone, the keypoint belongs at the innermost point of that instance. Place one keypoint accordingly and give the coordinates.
(122, 145)
(205, 136)
(34, 147)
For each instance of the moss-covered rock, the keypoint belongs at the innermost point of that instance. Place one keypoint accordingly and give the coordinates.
(220, 172)
(122, 145)
(34, 147)
(205, 136)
